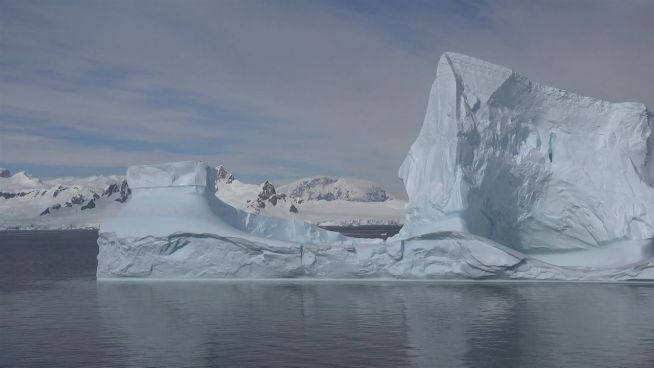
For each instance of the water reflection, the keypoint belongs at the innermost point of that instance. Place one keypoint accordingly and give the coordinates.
(54, 314)
(405, 324)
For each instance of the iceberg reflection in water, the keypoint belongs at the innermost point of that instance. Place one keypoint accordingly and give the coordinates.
(381, 324)
(53, 313)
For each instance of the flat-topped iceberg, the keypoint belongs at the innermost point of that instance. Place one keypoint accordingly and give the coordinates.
(507, 180)
(179, 197)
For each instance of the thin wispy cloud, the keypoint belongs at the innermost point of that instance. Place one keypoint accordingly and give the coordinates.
(280, 89)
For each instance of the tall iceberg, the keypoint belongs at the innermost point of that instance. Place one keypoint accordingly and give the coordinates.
(529, 166)
(502, 169)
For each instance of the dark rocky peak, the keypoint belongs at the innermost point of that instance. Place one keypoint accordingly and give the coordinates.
(224, 175)
(269, 194)
(58, 190)
(89, 204)
(267, 190)
(4, 173)
(277, 197)
(78, 199)
(122, 189)
(111, 189)
(377, 194)
(10, 195)
(125, 192)
(48, 210)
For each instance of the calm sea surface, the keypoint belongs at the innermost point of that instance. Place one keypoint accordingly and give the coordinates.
(54, 314)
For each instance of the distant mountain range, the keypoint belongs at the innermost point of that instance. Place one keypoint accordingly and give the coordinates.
(27, 202)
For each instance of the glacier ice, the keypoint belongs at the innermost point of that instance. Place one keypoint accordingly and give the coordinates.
(174, 227)
(179, 197)
(507, 179)
(526, 165)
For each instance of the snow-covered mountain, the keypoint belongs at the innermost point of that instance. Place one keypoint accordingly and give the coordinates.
(31, 203)
(330, 189)
(18, 182)
(318, 200)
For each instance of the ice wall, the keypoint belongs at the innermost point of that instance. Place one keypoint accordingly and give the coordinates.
(172, 174)
(529, 166)
(179, 197)
(174, 227)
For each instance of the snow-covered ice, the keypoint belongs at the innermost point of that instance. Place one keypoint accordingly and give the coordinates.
(176, 228)
(526, 165)
(508, 179)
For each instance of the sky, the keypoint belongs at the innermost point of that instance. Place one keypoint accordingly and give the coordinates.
(280, 89)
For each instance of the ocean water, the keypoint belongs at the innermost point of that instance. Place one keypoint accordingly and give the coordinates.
(54, 314)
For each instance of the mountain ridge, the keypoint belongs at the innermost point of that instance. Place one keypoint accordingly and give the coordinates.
(82, 202)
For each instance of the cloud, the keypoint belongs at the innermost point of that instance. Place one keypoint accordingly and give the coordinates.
(281, 88)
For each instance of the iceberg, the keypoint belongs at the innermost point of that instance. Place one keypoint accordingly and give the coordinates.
(174, 227)
(526, 165)
(506, 180)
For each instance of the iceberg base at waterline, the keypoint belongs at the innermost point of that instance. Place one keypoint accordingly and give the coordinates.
(437, 256)
(173, 227)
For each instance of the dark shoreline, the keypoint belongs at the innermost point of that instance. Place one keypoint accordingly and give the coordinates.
(366, 231)
(45, 231)
(363, 231)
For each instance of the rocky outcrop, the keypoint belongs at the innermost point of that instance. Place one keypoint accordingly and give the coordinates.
(86, 198)
(269, 195)
(223, 175)
(90, 204)
(9, 195)
(122, 189)
(48, 210)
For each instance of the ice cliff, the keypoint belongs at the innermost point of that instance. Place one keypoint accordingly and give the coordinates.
(179, 197)
(508, 179)
(174, 227)
(526, 165)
